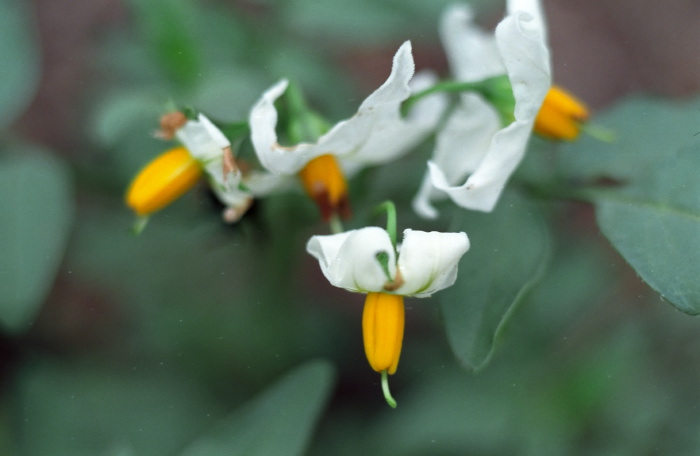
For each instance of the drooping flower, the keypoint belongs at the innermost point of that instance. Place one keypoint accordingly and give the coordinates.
(376, 133)
(365, 261)
(206, 151)
(475, 154)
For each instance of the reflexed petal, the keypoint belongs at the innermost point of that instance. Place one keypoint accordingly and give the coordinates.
(428, 261)
(471, 52)
(207, 144)
(534, 9)
(460, 146)
(201, 137)
(391, 135)
(376, 133)
(526, 59)
(348, 260)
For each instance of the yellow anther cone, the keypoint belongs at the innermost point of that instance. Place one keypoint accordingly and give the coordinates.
(561, 115)
(162, 181)
(382, 330)
(324, 182)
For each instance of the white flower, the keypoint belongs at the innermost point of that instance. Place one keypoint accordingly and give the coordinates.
(210, 147)
(375, 134)
(473, 144)
(427, 262)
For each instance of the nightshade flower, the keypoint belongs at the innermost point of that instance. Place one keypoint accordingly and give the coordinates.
(365, 261)
(205, 151)
(376, 134)
(474, 145)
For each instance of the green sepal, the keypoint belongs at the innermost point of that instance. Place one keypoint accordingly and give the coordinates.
(298, 121)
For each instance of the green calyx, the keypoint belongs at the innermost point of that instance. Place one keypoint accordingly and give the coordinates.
(301, 123)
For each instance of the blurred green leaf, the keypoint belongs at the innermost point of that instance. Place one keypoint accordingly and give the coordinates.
(125, 114)
(37, 209)
(86, 410)
(19, 54)
(647, 132)
(655, 225)
(509, 248)
(168, 27)
(368, 22)
(279, 422)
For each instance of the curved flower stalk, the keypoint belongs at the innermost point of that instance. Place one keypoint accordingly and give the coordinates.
(205, 151)
(474, 145)
(376, 133)
(366, 261)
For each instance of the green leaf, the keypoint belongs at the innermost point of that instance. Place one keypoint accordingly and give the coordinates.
(81, 409)
(20, 59)
(168, 27)
(509, 249)
(279, 422)
(655, 225)
(647, 131)
(36, 207)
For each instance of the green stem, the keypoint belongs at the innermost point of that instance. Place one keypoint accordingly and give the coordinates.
(385, 389)
(390, 209)
(600, 133)
(443, 86)
(139, 225)
(336, 225)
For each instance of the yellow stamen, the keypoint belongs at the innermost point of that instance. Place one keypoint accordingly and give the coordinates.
(561, 115)
(162, 181)
(382, 330)
(324, 182)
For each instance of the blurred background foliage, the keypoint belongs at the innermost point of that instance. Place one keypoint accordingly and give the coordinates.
(199, 338)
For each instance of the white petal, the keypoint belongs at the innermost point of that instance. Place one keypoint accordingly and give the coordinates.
(471, 51)
(534, 9)
(527, 61)
(262, 183)
(207, 144)
(460, 147)
(348, 260)
(392, 135)
(375, 134)
(263, 123)
(202, 139)
(428, 261)
(423, 199)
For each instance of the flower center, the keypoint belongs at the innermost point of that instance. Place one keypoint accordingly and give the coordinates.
(324, 182)
(162, 181)
(561, 115)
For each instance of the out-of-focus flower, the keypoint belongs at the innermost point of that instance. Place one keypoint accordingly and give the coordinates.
(561, 115)
(377, 133)
(474, 145)
(365, 261)
(205, 151)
